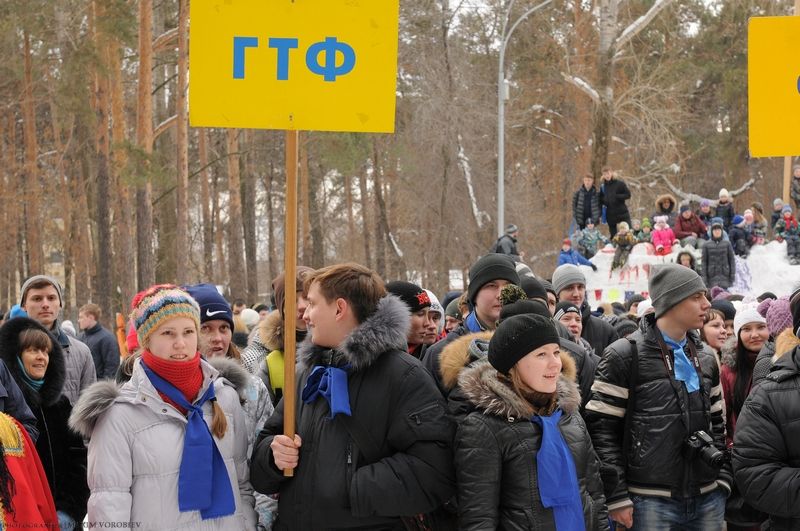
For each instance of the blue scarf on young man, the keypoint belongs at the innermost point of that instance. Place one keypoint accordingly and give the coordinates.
(684, 370)
(557, 476)
(203, 481)
(331, 384)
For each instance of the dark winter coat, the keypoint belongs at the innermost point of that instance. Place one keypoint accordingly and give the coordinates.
(776, 215)
(766, 453)
(507, 244)
(615, 193)
(12, 402)
(598, 332)
(496, 454)
(662, 418)
(738, 239)
(685, 227)
(580, 199)
(719, 264)
(763, 362)
(396, 403)
(585, 363)
(61, 450)
(795, 191)
(105, 351)
(725, 211)
(728, 376)
(670, 211)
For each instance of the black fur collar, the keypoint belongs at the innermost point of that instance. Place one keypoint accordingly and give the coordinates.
(56, 370)
(385, 330)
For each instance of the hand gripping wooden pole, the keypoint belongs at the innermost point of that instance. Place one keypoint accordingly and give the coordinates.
(290, 306)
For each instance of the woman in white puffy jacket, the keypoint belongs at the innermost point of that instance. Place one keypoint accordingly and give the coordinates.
(168, 449)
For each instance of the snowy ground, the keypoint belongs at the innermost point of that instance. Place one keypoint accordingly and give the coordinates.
(766, 269)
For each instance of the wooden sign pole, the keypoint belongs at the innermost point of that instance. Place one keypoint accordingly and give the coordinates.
(290, 305)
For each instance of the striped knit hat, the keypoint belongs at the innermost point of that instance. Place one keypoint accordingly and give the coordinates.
(157, 304)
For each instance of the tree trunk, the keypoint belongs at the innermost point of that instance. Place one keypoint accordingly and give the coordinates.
(269, 183)
(365, 225)
(123, 236)
(380, 212)
(144, 137)
(315, 210)
(221, 267)
(305, 198)
(32, 186)
(249, 219)
(205, 201)
(237, 277)
(102, 219)
(182, 141)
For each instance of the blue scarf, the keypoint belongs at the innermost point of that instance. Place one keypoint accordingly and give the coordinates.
(684, 370)
(36, 385)
(557, 478)
(472, 323)
(331, 384)
(203, 481)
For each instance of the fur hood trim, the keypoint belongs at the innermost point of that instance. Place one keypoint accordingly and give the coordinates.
(482, 386)
(92, 404)
(96, 400)
(384, 330)
(236, 375)
(54, 376)
(460, 353)
(661, 198)
(728, 353)
(270, 331)
(785, 343)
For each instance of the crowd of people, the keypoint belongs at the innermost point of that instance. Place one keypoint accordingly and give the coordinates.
(718, 226)
(512, 405)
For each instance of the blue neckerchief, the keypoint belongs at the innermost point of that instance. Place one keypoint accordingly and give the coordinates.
(472, 323)
(555, 469)
(684, 370)
(36, 385)
(331, 384)
(203, 481)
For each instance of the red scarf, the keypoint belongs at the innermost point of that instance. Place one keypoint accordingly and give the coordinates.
(186, 376)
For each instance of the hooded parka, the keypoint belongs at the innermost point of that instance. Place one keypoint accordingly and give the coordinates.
(496, 455)
(61, 450)
(135, 449)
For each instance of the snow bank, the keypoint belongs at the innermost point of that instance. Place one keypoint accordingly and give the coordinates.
(767, 267)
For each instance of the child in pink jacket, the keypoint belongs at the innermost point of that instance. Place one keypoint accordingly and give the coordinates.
(663, 238)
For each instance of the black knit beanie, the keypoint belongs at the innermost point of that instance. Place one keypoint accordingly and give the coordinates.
(414, 296)
(533, 288)
(565, 307)
(726, 307)
(518, 336)
(488, 268)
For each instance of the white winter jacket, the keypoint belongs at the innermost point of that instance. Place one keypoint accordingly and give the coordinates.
(135, 448)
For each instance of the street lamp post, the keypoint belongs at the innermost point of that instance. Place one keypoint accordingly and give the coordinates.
(501, 97)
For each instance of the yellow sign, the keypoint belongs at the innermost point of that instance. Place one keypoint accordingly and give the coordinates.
(325, 65)
(773, 73)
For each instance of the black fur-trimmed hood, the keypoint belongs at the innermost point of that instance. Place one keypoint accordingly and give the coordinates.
(56, 372)
(384, 330)
(482, 386)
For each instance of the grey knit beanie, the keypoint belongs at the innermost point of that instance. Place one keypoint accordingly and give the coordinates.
(672, 283)
(36, 278)
(566, 275)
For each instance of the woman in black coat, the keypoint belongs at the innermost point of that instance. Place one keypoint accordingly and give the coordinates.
(526, 432)
(37, 364)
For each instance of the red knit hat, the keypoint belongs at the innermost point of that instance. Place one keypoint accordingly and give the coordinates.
(567, 241)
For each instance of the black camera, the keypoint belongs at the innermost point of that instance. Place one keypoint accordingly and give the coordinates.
(701, 445)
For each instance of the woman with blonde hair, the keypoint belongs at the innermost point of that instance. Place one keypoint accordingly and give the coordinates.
(168, 449)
